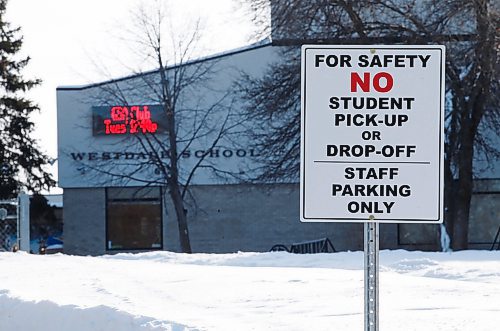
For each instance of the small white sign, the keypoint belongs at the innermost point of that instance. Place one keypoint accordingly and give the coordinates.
(372, 133)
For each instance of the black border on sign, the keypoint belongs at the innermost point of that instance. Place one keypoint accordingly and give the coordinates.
(441, 112)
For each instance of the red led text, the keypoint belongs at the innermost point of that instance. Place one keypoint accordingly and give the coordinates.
(133, 119)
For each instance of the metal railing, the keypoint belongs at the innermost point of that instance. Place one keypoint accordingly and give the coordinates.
(496, 241)
(323, 245)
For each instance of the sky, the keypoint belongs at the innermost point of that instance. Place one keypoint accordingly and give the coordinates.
(84, 41)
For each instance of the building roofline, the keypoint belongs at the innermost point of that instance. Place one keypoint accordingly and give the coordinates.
(257, 45)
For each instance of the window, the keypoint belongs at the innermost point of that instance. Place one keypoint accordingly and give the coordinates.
(133, 219)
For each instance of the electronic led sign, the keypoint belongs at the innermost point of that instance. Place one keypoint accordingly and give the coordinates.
(122, 120)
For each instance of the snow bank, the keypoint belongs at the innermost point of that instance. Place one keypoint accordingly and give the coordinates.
(16, 314)
(247, 291)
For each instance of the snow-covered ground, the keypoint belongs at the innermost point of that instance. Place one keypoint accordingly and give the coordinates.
(247, 291)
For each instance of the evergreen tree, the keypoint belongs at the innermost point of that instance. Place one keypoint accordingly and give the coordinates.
(21, 162)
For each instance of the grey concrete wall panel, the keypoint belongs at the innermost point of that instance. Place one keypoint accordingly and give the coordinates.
(255, 217)
(485, 213)
(419, 236)
(84, 221)
(484, 219)
(231, 218)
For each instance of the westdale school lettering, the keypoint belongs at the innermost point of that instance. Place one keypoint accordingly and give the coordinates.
(366, 109)
(124, 155)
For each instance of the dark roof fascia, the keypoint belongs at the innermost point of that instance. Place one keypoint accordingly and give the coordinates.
(261, 44)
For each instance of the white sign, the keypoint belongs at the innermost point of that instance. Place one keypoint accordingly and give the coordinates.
(372, 133)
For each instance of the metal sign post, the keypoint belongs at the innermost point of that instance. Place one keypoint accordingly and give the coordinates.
(23, 222)
(371, 236)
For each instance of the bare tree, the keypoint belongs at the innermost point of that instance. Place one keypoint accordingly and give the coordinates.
(192, 120)
(469, 29)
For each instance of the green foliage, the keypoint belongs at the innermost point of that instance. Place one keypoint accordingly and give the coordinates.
(21, 162)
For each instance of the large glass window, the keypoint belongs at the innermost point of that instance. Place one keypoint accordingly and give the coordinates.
(133, 219)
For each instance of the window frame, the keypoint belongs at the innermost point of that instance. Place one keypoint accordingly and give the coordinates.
(125, 199)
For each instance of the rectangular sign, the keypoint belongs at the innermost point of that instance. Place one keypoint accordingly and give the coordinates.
(372, 133)
(125, 120)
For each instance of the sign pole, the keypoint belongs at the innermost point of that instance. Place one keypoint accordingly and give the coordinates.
(371, 236)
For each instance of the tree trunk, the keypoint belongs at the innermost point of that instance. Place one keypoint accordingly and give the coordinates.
(173, 179)
(449, 200)
(180, 212)
(463, 191)
(461, 223)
